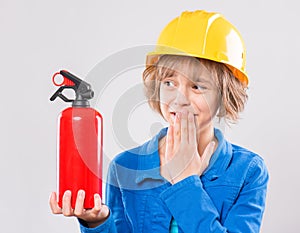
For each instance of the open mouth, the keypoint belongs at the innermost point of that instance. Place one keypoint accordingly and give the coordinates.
(173, 114)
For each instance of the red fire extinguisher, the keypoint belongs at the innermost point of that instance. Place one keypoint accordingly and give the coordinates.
(80, 138)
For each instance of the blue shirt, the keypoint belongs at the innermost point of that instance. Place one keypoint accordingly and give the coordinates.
(228, 197)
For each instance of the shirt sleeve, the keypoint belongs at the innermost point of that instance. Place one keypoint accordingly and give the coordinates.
(106, 227)
(194, 211)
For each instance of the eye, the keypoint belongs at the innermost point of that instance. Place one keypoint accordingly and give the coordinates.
(169, 83)
(199, 87)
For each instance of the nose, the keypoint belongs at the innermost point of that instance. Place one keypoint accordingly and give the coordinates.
(182, 98)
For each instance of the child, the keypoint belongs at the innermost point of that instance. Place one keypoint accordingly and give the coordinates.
(187, 178)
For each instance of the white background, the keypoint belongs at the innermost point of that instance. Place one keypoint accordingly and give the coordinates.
(39, 38)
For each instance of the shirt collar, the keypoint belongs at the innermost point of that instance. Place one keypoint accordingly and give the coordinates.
(149, 162)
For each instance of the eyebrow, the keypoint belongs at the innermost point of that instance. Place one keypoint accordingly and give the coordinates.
(197, 79)
(201, 80)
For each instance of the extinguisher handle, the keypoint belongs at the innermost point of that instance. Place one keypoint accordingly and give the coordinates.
(66, 74)
(83, 90)
(79, 83)
(59, 94)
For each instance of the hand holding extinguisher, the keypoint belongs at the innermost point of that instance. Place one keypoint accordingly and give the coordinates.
(80, 138)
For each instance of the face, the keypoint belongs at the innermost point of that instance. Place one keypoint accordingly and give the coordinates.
(198, 95)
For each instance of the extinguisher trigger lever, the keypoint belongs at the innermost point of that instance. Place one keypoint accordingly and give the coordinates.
(59, 94)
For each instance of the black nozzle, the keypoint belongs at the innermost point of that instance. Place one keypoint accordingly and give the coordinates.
(82, 90)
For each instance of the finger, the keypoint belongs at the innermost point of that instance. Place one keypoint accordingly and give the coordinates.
(66, 204)
(53, 204)
(170, 143)
(97, 204)
(184, 127)
(99, 208)
(192, 129)
(79, 209)
(177, 132)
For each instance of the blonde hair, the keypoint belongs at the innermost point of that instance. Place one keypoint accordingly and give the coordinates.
(233, 95)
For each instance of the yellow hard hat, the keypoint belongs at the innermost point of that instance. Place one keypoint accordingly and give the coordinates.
(205, 35)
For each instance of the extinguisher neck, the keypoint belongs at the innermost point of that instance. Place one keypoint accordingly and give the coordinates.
(83, 94)
(81, 104)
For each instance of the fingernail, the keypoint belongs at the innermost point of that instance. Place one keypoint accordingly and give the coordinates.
(68, 193)
(81, 193)
(97, 196)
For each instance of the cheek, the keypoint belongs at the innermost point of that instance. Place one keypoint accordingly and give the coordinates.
(163, 108)
(207, 105)
(164, 101)
(166, 97)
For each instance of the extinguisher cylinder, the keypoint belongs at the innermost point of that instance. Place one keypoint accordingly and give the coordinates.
(80, 152)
